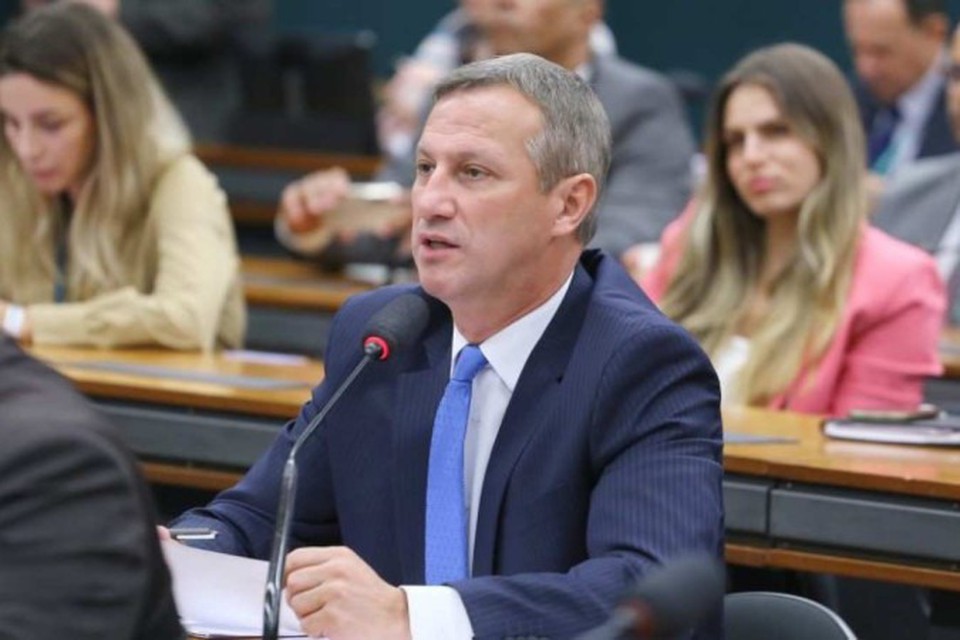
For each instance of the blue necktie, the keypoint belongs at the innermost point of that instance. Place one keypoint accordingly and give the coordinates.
(445, 556)
(880, 138)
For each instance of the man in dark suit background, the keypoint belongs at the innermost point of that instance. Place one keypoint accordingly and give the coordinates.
(899, 58)
(922, 203)
(649, 180)
(593, 446)
(79, 556)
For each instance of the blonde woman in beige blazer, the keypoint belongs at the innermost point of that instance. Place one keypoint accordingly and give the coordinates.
(113, 233)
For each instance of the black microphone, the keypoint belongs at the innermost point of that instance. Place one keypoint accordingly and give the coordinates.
(396, 325)
(666, 602)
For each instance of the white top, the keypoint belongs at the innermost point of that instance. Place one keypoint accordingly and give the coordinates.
(728, 363)
(915, 106)
(436, 612)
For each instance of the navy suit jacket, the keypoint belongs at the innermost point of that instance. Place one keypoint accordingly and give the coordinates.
(608, 461)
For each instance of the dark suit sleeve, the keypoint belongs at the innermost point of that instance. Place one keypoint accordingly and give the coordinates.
(244, 515)
(655, 447)
(79, 556)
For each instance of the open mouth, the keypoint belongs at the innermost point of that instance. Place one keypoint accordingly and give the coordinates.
(434, 243)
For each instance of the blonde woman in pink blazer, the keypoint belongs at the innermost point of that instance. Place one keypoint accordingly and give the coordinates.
(799, 303)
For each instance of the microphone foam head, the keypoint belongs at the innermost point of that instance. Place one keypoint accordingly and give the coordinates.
(676, 596)
(396, 325)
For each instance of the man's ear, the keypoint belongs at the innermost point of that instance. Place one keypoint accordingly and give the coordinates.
(576, 196)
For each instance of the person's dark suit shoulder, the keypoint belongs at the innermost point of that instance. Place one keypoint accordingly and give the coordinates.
(78, 550)
(657, 91)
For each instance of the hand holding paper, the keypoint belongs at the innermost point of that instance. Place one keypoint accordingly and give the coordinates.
(221, 596)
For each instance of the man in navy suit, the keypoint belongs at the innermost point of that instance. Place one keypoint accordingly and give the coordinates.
(898, 49)
(593, 446)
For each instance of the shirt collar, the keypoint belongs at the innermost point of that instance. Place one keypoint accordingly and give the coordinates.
(507, 350)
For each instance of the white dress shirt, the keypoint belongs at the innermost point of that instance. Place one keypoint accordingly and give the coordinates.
(437, 612)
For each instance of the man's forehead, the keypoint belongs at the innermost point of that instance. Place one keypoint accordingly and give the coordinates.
(888, 13)
(483, 111)
(481, 93)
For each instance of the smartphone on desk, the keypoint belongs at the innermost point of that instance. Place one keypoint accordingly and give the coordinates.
(880, 416)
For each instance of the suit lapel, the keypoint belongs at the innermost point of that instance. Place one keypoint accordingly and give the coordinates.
(419, 389)
(524, 415)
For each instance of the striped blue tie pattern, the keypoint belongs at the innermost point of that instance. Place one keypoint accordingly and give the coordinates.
(445, 554)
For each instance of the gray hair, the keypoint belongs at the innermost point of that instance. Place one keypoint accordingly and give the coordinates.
(576, 131)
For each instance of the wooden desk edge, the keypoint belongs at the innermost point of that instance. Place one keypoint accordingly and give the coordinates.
(191, 477)
(189, 398)
(279, 159)
(746, 555)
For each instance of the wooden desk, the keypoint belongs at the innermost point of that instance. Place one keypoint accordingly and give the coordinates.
(801, 502)
(291, 304)
(857, 509)
(197, 419)
(276, 159)
(296, 285)
(254, 177)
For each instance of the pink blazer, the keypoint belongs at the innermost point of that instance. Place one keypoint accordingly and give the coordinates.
(886, 341)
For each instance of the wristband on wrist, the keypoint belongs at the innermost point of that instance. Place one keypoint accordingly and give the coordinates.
(13, 321)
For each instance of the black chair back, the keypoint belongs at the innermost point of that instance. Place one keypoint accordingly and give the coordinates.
(766, 615)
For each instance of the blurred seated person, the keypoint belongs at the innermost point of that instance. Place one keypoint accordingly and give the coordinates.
(649, 177)
(898, 50)
(590, 449)
(921, 205)
(455, 40)
(800, 304)
(114, 234)
(190, 45)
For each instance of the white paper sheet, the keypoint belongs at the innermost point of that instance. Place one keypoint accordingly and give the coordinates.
(221, 596)
(921, 432)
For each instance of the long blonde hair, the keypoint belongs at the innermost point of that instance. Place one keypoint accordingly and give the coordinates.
(137, 135)
(725, 244)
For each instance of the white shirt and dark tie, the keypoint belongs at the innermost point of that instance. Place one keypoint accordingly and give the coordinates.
(912, 110)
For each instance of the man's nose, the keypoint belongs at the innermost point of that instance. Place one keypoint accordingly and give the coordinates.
(433, 197)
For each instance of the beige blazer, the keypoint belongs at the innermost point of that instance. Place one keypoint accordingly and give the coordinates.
(185, 290)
